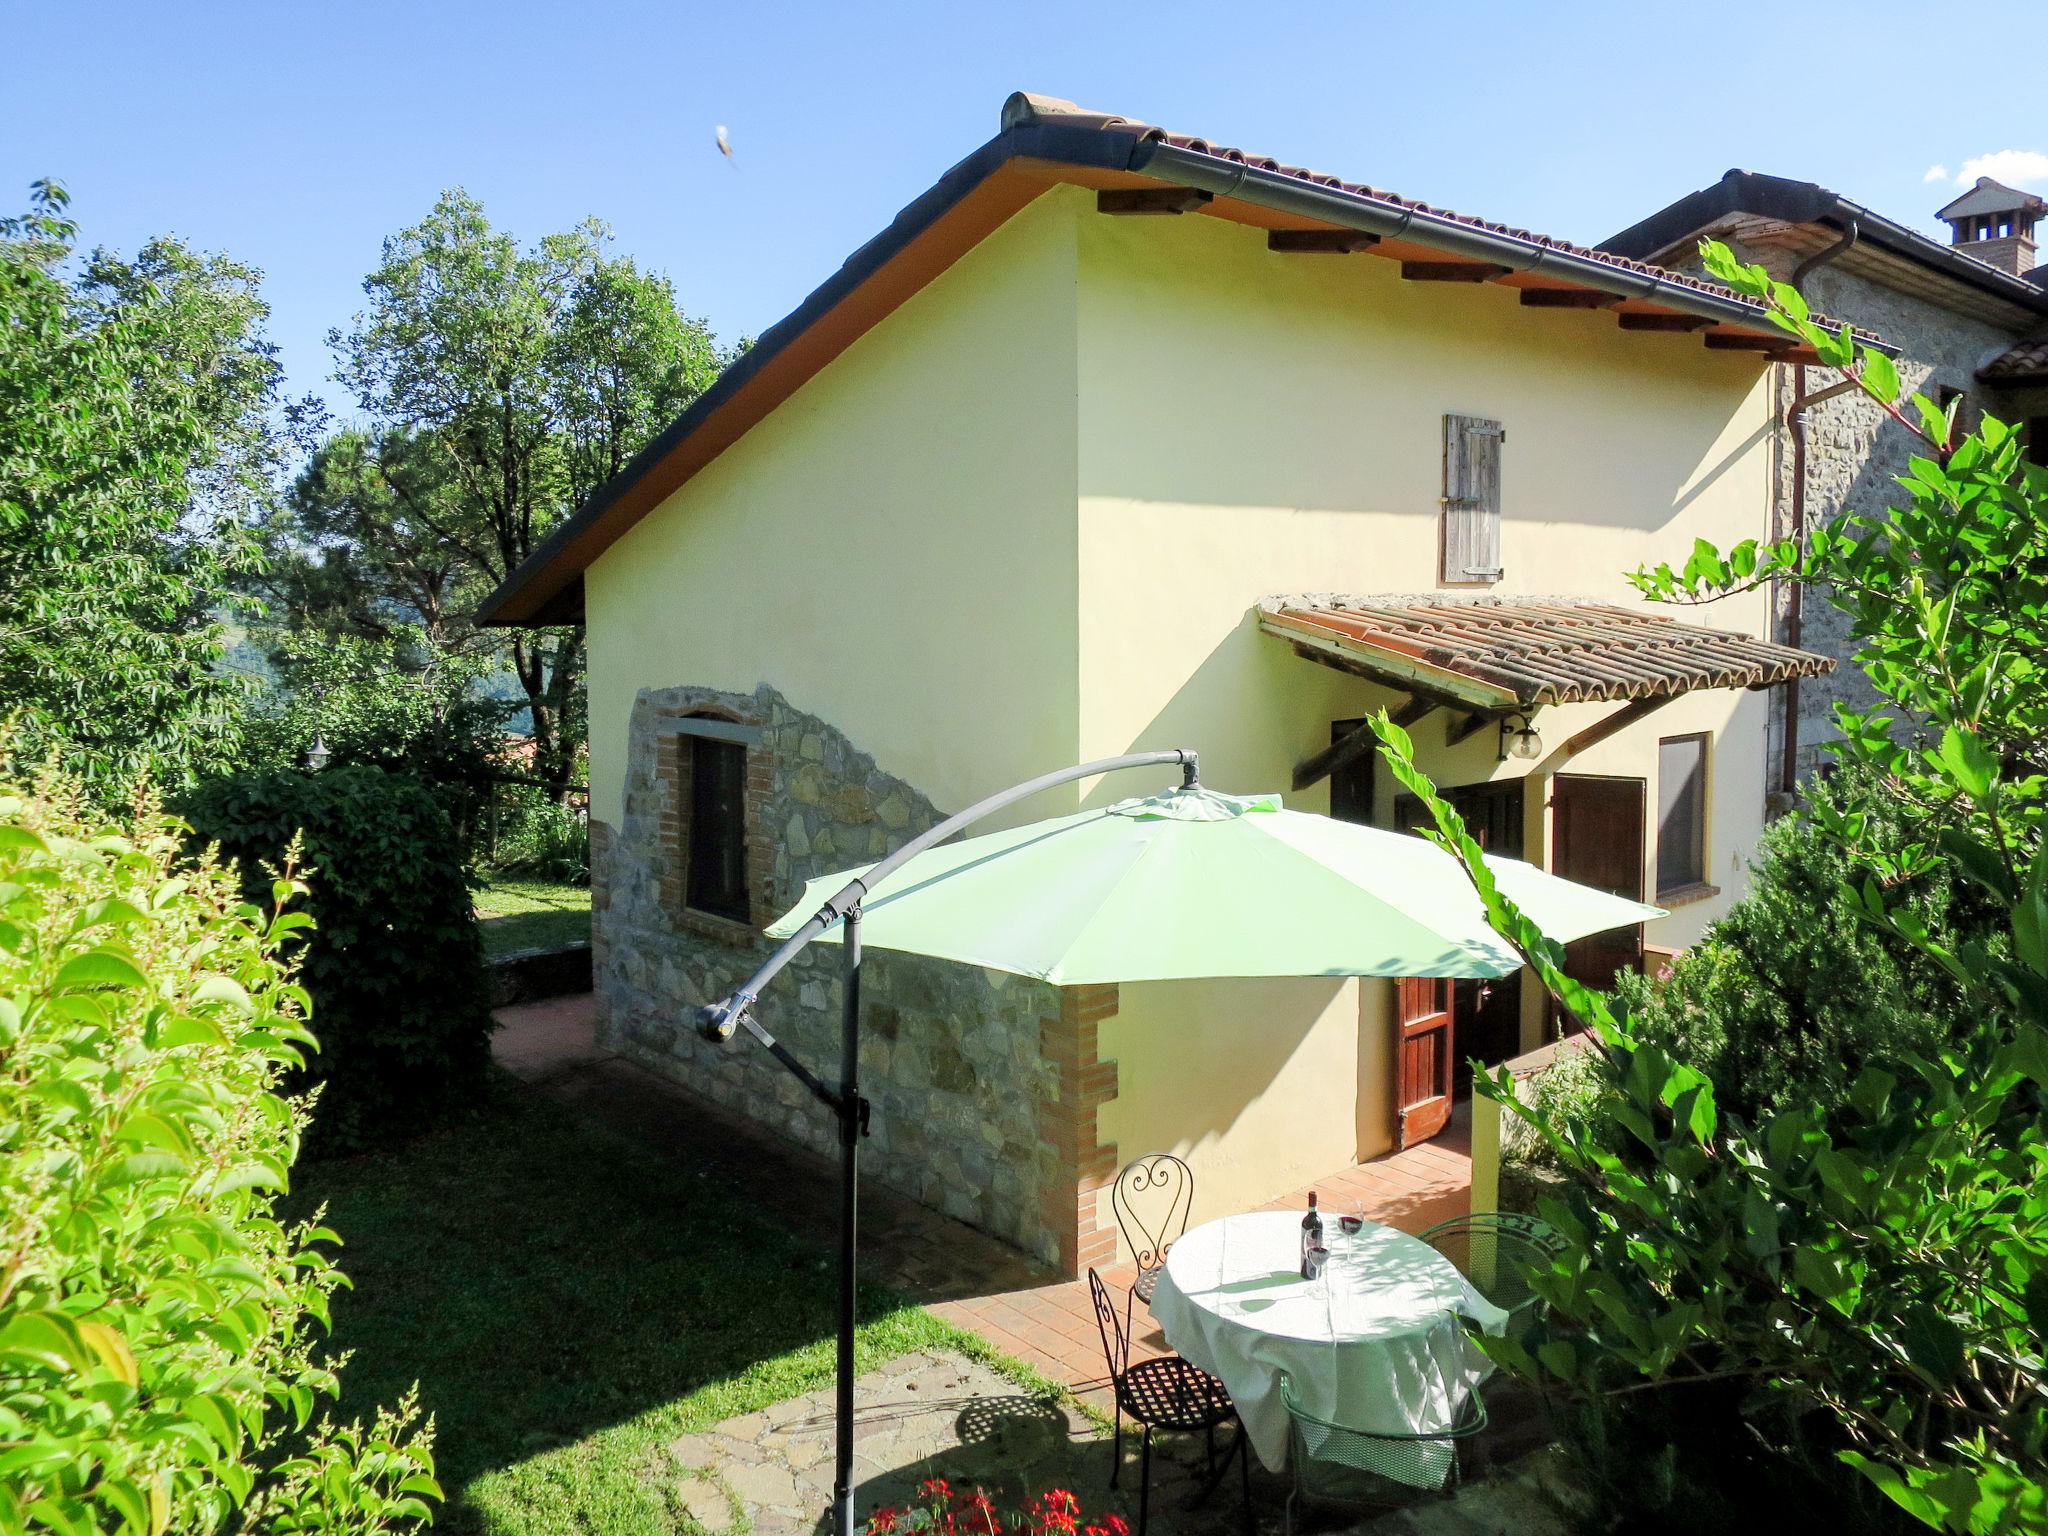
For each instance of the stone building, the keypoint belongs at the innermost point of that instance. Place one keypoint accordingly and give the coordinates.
(1969, 318)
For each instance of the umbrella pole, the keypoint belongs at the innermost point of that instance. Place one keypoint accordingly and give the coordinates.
(720, 1021)
(852, 1109)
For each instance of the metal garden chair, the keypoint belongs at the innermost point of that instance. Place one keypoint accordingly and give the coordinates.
(1164, 1393)
(1496, 1254)
(1150, 1200)
(1334, 1463)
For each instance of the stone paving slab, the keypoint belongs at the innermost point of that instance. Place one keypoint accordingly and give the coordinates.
(942, 1415)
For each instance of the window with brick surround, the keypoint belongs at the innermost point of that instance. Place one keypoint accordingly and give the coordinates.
(717, 860)
(715, 880)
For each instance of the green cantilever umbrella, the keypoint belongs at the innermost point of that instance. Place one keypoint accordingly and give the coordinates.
(1186, 884)
(1194, 883)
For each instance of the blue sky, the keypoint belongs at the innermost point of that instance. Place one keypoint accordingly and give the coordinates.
(296, 137)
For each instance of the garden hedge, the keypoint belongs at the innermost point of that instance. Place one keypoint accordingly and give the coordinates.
(395, 965)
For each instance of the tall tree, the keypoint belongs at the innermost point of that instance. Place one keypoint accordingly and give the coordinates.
(141, 427)
(501, 386)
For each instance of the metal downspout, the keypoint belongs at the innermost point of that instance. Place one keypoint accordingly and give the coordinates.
(1795, 422)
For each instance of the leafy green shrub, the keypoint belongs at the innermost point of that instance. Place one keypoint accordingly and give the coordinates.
(1793, 992)
(1567, 1087)
(539, 837)
(395, 966)
(156, 1318)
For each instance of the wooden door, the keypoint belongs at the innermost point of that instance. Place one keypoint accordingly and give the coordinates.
(1487, 1015)
(1597, 839)
(1423, 1054)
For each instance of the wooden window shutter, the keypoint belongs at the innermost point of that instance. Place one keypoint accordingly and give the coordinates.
(1472, 499)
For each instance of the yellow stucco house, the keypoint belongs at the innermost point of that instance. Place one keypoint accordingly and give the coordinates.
(1114, 440)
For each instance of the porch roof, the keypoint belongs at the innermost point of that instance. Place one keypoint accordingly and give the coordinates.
(2024, 362)
(1506, 655)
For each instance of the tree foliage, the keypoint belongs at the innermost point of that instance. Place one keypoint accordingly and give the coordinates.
(395, 964)
(139, 431)
(396, 702)
(501, 386)
(158, 1323)
(1869, 1278)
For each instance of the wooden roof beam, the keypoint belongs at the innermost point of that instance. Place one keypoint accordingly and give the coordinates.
(1569, 298)
(1349, 748)
(1452, 271)
(1321, 242)
(1606, 726)
(1638, 320)
(1468, 726)
(1724, 341)
(1129, 200)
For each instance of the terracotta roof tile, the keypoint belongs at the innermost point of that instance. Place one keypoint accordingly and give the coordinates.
(1518, 655)
(2022, 360)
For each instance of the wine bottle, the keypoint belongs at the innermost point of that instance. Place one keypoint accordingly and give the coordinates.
(1311, 1233)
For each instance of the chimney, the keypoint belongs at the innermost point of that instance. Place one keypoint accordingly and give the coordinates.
(1995, 224)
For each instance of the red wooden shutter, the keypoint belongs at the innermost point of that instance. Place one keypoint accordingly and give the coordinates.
(1471, 499)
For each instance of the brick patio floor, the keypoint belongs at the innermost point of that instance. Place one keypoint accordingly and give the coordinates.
(1024, 1308)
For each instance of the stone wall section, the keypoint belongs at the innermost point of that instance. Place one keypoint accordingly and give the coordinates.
(984, 1084)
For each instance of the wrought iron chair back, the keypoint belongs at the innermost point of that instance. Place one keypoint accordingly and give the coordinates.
(1151, 1200)
(1164, 1392)
(1114, 1328)
(1335, 1463)
(1497, 1253)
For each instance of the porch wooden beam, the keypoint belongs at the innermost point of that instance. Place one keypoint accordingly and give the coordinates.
(1636, 320)
(1320, 242)
(1467, 726)
(1409, 677)
(1607, 725)
(1452, 271)
(1127, 200)
(1721, 341)
(1348, 749)
(1569, 298)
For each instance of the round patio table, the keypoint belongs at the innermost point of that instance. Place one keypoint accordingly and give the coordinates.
(1366, 1344)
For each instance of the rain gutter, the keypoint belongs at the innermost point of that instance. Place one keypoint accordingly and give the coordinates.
(1795, 421)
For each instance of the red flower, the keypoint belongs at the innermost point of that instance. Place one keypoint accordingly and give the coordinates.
(979, 1511)
(935, 1488)
(882, 1522)
(1116, 1525)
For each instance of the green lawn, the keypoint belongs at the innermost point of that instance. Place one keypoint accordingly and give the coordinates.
(570, 1302)
(532, 914)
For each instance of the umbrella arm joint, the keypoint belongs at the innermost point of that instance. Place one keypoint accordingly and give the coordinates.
(855, 1125)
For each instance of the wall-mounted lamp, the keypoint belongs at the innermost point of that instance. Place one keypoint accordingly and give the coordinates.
(1518, 739)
